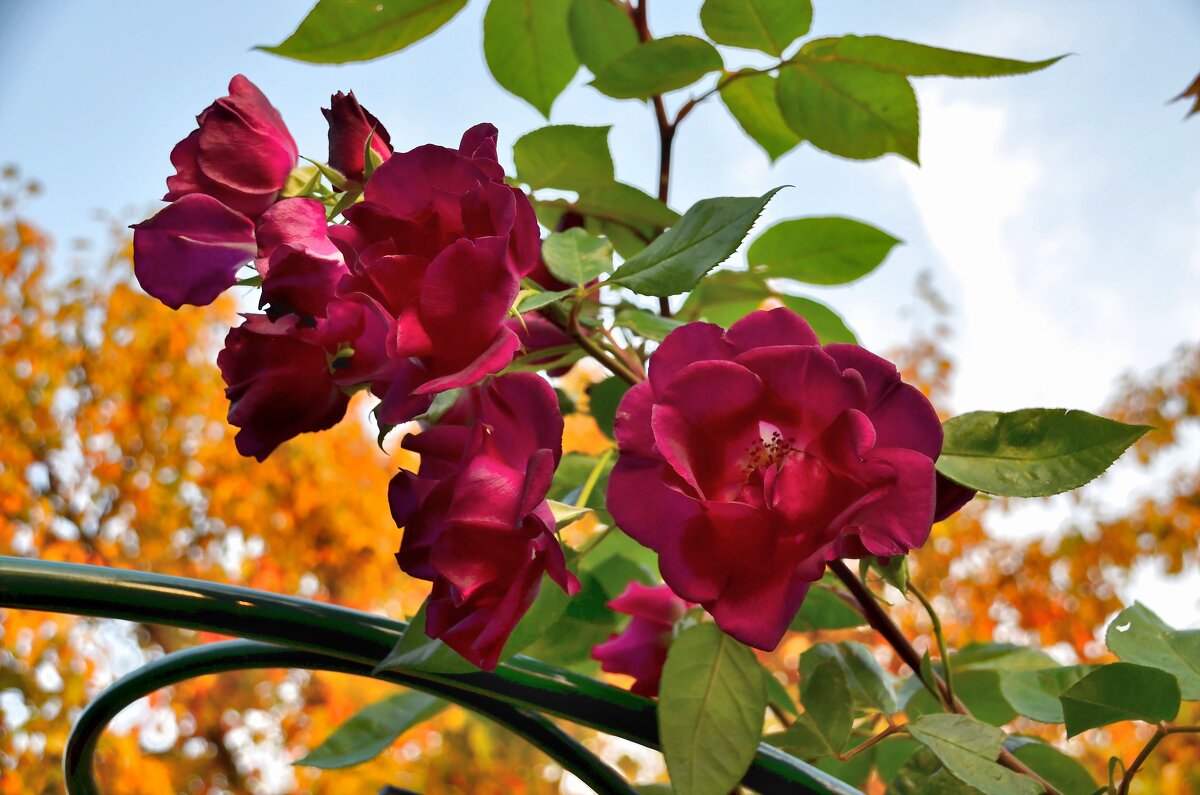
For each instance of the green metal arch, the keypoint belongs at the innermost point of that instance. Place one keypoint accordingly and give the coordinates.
(241, 655)
(363, 639)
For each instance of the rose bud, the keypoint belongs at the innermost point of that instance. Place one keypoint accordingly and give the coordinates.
(751, 456)
(641, 649)
(475, 518)
(350, 125)
(241, 154)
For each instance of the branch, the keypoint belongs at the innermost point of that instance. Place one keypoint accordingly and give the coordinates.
(882, 623)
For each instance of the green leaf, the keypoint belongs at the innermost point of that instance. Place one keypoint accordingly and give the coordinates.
(372, 729)
(710, 711)
(536, 300)
(981, 692)
(600, 31)
(916, 60)
(1035, 693)
(725, 297)
(528, 49)
(603, 399)
(893, 569)
(646, 324)
(802, 739)
(924, 774)
(575, 257)
(777, 694)
(825, 694)
(657, 67)
(849, 110)
(766, 25)
(564, 156)
(892, 753)
(1001, 657)
(1137, 635)
(1117, 692)
(1063, 772)
(337, 31)
(871, 688)
(706, 236)
(1031, 452)
(823, 609)
(418, 651)
(620, 202)
(968, 749)
(752, 102)
(819, 250)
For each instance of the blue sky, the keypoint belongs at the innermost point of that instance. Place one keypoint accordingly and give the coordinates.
(1059, 212)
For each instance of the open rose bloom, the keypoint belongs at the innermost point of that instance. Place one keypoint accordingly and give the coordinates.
(752, 456)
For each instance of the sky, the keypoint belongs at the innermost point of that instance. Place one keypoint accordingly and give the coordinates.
(1059, 212)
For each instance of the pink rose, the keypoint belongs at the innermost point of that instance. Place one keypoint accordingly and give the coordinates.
(241, 154)
(641, 649)
(350, 125)
(752, 456)
(475, 518)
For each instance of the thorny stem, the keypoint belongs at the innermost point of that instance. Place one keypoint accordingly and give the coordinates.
(1163, 730)
(882, 623)
(941, 639)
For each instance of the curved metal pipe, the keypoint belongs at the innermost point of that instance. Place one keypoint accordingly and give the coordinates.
(239, 655)
(365, 639)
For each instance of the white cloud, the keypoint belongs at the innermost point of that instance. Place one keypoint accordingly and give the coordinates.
(1010, 258)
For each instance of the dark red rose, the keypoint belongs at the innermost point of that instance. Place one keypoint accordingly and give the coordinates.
(752, 456)
(641, 649)
(300, 266)
(350, 125)
(442, 244)
(189, 252)
(279, 383)
(475, 518)
(241, 153)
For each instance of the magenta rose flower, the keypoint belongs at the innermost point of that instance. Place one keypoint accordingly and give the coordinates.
(189, 252)
(278, 382)
(300, 266)
(350, 125)
(442, 244)
(751, 456)
(641, 649)
(241, 154)
(475, 518)
(292, 375)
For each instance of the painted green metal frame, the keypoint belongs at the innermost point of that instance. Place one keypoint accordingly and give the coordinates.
(299, 633)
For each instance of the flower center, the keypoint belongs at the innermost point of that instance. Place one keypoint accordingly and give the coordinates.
(769, 450)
